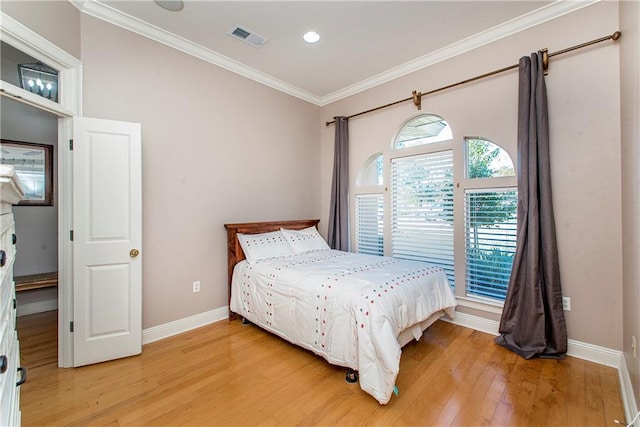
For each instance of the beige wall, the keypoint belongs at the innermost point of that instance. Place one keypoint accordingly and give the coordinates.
(583, 92)
(220, 148)
(630, 108)
(56, 20)
(216, 148)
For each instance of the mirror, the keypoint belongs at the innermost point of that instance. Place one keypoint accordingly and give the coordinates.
(33, 164)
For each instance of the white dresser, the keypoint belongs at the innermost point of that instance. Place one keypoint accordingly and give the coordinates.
(11, 373)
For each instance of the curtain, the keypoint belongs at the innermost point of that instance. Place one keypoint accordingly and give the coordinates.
(532, 323)
(338, 237)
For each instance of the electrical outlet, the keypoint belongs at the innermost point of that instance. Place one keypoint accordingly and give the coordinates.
(566, 303)
(196, 286)
(634, 347)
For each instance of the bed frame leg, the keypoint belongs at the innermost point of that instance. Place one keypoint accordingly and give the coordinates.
(352, 376)
(245, 321)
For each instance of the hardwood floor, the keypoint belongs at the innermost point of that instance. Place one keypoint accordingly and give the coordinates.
(227, 374)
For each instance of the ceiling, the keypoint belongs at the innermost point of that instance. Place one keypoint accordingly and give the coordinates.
(363, 43)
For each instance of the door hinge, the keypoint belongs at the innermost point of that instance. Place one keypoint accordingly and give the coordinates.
(71, 235)
(71, 326)
(71, 144)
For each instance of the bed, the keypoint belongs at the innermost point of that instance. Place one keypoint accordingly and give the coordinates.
(356, 311)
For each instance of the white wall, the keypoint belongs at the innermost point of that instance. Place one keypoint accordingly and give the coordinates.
(583, 91)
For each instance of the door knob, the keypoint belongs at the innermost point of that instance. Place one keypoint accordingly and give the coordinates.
(134, 253)
(23, 376)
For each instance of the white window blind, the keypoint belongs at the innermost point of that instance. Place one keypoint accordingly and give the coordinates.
(490, 240)
(369, 224)
(422, 209)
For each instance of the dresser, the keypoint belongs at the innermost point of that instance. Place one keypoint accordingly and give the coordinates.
(12, 375)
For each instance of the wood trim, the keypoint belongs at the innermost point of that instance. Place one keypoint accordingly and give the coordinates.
(234, 250)
(47, 149)
(36, 281)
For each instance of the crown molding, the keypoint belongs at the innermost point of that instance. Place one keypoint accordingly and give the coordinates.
(69, 67)
(106, 13)
(33, 44)
(521, 23)
(113, 16)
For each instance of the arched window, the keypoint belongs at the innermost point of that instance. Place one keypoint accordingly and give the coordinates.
(422, 193)
(370, 207)
(439, 213)
(372, 172)
(423, 129)
(485, 159)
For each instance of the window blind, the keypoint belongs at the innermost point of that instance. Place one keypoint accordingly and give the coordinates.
(369, 224)
(422, 209)
(490, 240)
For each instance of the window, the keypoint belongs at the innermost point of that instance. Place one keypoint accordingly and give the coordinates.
(424, 129)
(486, 160)
(462, 218)
(490, 241)
(490, 220)
(369, 224)
(370, 207)
(422, 209)
(372, 171)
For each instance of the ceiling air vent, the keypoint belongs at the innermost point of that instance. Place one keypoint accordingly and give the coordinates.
(247, 36)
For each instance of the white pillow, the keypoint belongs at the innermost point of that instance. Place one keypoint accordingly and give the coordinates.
(261, 246)
(305, 240)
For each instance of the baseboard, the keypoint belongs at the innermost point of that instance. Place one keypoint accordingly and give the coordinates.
(628, 396)
(179, 326)
(37, 307)
(474, 322)
(594, 353)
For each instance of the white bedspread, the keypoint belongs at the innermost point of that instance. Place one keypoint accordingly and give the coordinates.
(348, 308)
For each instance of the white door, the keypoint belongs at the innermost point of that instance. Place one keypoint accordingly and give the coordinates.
(107, 238)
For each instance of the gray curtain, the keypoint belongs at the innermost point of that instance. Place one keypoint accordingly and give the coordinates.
(532, 323)
(338, 237)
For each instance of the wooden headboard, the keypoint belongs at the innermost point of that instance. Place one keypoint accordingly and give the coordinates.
(234, 250)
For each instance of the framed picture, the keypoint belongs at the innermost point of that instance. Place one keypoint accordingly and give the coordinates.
(33, 164)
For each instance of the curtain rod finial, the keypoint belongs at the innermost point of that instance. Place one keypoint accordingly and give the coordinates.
(616, 35)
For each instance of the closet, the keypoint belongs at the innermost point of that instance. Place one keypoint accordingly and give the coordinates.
(35, 271)
(12, 375)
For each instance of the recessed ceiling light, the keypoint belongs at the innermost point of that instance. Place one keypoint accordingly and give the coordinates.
(172, 5)
(311, 37)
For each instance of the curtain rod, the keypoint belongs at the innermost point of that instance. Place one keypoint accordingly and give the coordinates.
(417, 96)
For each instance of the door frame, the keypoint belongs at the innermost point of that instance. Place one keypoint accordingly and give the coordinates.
(70, 79)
